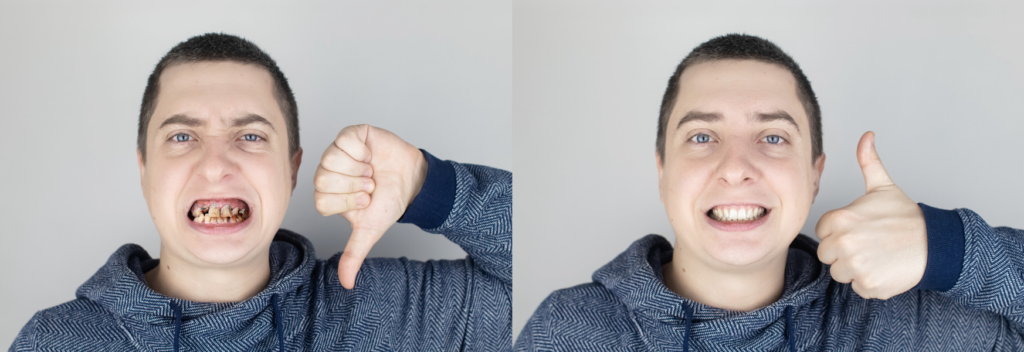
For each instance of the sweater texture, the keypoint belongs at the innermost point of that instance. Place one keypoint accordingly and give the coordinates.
(970, 299)
(396, 305)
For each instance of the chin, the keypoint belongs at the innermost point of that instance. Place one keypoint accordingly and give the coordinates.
(739, 251)
(740, 254)
(222, 252)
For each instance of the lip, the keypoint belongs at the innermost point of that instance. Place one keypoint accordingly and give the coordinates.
(738, 226)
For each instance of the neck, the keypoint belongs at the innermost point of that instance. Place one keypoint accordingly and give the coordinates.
(739, 290)
(235, 283)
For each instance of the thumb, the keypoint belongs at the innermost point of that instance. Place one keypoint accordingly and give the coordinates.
(875, 175)
(356, 250)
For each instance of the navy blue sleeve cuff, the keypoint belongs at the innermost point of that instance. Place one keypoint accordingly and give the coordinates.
(432, 205)
(945, 249)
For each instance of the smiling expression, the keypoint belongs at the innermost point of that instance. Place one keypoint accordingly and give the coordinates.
(217, 136)
(737, 179)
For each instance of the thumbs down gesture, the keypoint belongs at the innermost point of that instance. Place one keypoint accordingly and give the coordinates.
(370, 176)
(878, 243)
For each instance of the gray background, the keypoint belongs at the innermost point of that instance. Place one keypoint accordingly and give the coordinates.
(72, 76)
(940, 84)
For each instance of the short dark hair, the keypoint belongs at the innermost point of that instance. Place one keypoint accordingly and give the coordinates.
(220, 47)
(743, 47)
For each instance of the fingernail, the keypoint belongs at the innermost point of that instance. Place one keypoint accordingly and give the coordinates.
(367, 186)
(363, 200)
(368, 172)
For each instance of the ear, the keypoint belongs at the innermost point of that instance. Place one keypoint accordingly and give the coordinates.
(142, 165)
(295, 162)
(142, 171)
(661, 173)
(819, 167)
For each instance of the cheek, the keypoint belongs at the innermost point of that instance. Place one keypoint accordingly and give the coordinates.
(684, 185)
(792, 184)
(164, 184)
(271, 179)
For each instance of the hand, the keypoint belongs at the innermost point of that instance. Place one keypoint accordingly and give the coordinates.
(368, 175)
(879, 242)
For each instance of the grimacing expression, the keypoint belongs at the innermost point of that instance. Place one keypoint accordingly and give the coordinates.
(737, 179)
(217, 137)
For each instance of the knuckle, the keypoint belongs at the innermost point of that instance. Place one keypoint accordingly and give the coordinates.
(322, 205)
(856, 262)
(321, 182)
(327, 159)
(869, 282)
(350, 201)
(845, 243)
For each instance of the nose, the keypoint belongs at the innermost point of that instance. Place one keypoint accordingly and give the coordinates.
(736, 166)
(216, 163)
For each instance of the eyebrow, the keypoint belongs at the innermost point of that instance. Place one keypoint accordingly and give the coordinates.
(699, 116)
(180, 119)
(253, 118)
(715, 117)
(778, 115)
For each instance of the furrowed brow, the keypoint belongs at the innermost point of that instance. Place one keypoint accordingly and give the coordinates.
(251, 119)
(778, 115)
(699, 116)
(180, 119)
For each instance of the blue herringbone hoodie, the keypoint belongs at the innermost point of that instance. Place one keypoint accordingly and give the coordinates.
(396, 305)
(971, 299)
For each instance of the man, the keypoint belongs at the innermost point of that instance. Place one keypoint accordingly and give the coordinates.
(218, 155)
(739, 158)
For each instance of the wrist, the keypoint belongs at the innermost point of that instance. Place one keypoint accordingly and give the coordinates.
(434, 200)
(419, 175)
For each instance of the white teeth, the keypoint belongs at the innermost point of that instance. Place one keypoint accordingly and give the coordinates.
(730, 214)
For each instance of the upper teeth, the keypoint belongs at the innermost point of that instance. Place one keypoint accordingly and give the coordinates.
(218, 215)
(740, 213)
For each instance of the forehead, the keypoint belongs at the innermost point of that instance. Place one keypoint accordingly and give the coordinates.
(216, 90)
(737, 88)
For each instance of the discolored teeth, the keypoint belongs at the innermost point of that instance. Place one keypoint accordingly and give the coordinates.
(215, 214)
(737, 213)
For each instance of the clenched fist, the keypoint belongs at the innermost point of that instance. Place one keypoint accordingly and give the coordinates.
(879, 243)
(368, 175)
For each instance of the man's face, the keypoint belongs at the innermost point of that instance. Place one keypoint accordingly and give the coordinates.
(217, 137)
(737, 180)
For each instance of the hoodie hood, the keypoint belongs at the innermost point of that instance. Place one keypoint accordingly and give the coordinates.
(120, 288)
(670, 322)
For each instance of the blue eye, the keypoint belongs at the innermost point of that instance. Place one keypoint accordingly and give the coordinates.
(250, 137)
(773, 139)
(182, 137)
(701, 138)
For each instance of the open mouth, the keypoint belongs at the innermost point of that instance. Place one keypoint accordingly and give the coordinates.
(219, 211)
(737, 214)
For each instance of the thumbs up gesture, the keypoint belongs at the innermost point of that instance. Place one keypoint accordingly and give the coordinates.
(879, 243)
(370, 176)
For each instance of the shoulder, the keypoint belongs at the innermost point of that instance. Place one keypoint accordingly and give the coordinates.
(584, 317)
(591, 305)
(80, 324)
